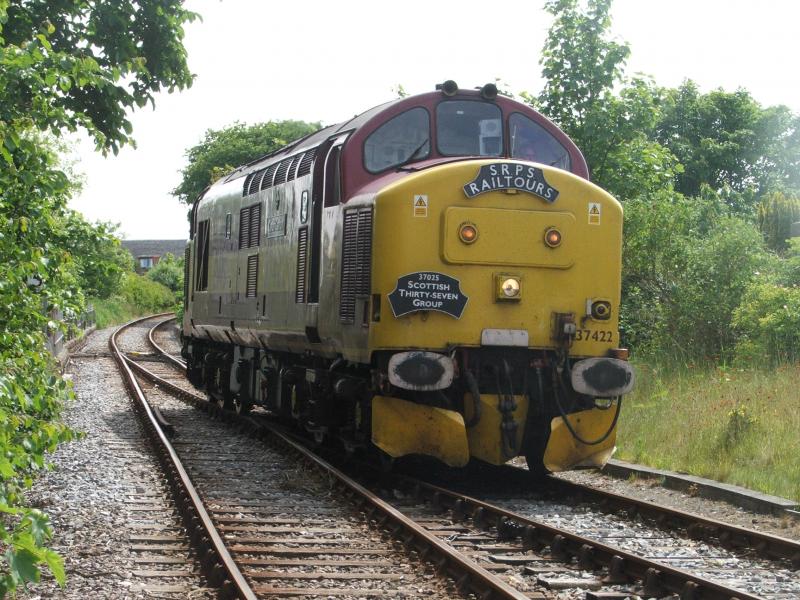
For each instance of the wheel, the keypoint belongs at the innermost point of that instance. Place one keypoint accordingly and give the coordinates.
(241, 407)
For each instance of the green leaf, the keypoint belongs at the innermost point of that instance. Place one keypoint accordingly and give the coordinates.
(22, 564)
(56, 564)
(6, 154)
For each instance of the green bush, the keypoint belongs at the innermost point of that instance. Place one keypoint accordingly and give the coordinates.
(146, 294)
(686, 266)
(168, 272)
(768, 321)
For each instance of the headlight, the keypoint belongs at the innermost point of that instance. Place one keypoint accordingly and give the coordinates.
(507, 286)
(510, 287)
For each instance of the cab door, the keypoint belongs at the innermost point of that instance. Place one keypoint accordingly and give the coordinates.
(326, 192)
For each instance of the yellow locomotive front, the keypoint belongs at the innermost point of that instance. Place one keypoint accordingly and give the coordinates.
(492, 282)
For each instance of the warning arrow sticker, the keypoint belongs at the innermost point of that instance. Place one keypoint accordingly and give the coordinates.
(420, 205)
(594, 213)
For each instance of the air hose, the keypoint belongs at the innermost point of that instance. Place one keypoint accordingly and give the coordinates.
(507, 405)
(601, 439)
(476, 399)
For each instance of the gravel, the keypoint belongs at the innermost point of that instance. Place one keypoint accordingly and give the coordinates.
(651, 490)
(97, 491)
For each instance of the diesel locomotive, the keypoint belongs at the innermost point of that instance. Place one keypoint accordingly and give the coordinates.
(435, 276)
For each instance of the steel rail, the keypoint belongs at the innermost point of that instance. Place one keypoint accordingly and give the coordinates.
(468, 575)
(696, 526)
(177, 362)
(217, 561)
(657, 578)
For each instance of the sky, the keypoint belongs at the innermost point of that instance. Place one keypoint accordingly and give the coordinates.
(257, 61)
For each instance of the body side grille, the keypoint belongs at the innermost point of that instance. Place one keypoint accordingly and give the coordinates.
(302, 265)
(306, 162)
(252, 276)
(255, 225)
(356, 260)
(266, 181)
(244, 227)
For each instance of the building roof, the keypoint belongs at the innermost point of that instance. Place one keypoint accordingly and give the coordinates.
(154, 247)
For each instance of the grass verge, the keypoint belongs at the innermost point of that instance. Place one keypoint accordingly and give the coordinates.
(116, 311)
(740, 426)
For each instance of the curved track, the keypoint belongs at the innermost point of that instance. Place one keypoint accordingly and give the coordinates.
(515, 546)
(280, 521)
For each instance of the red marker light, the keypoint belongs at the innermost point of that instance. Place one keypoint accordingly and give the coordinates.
(552, 237)
(468, 233)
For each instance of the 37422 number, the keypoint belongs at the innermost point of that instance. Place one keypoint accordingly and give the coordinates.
(589, 335)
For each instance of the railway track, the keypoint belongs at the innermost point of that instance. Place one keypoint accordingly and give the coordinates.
(274, 520)
(526, 542)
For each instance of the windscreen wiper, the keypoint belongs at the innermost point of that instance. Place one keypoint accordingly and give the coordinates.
(411, 156)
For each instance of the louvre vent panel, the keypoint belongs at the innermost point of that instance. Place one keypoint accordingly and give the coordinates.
(255, 225)
(283, 168)
(364, 252)
(293, 167)
(306, 162)
(250, 226)
(266, 181)
(302, 265)
(256, 182)
(246, 185)
(244, 228)
(252, 276)
(356, 260)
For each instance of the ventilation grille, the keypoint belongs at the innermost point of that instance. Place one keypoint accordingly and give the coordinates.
(287, 169)
(302, 265)
(266, 182)
(244, 228)
(356, 261)
(252, 276)
(250, 226)
(306, 162)
(246, 186)
(255, 225)
(283, 168)
(293, 167)
(256, 181)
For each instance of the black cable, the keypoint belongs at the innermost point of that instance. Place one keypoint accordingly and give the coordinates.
(602, 438)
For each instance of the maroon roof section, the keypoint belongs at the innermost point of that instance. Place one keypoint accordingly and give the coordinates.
(356, 179)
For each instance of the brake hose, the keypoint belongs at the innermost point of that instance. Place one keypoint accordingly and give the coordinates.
(476, 399)
(602, 438)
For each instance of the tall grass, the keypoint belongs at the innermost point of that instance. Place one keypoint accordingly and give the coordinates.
(740, 426)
